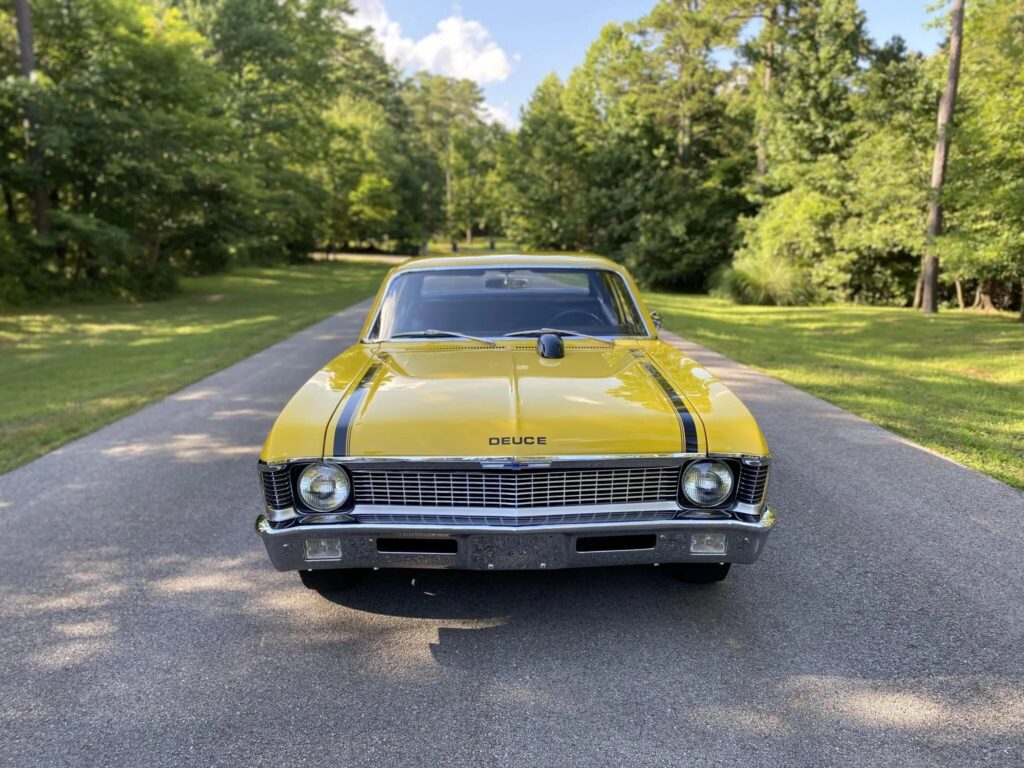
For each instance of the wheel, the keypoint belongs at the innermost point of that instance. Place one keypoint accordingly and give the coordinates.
(701, 573)
(329, 580)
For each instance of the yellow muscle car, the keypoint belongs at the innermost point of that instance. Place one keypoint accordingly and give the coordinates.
(512, 412)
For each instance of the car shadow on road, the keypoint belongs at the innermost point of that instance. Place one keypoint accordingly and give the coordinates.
(443, 594)
(531, 619)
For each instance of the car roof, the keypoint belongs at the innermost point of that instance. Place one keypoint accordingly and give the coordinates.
(509, 260)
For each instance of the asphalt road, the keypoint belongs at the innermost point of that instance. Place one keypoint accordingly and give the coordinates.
(142, 625)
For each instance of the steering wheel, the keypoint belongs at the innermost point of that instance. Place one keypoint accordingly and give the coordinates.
(568, 313)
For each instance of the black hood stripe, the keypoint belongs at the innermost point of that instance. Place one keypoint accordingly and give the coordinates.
(342, 431)
(689, 428)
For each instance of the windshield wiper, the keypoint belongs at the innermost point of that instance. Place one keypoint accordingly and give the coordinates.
(432, 334)
(559, 332)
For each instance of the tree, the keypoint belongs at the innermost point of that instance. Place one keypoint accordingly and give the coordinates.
(880, 240)
(692, 196)
(983, 196)
(443, 107)
(475, 202)
(681, 36)
(813, 113)
(770, 56)
(27, 59)
(168, 137)
(947, 106)
(544, 173)
(790, 250)
(641, 155)
(191, 136)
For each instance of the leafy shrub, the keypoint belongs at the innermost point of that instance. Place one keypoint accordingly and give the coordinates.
(766, 279)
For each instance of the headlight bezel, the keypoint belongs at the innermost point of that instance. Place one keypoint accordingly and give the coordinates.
(302, 506)
(730, 498)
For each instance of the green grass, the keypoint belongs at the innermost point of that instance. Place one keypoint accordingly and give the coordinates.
(68, 370)
(952, 382)
(480, 247)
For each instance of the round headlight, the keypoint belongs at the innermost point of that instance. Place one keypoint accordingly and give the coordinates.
(707, 483)
(324, 487)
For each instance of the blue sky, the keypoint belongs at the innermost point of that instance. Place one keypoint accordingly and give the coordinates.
(510, 45)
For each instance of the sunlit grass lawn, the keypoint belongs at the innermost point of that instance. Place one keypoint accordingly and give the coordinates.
(952, 382)
(67, 370)
(480, 246)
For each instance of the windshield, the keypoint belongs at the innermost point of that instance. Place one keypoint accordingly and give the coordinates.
(492, 302)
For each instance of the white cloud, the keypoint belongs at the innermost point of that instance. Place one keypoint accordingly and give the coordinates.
(493, 113)
(458, 48)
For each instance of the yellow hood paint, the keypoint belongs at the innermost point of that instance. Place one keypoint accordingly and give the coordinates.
(461, 399)
(300, 427)
(728, 426)
(458, 399)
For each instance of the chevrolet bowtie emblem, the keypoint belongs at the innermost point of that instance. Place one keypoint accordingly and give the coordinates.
(515, 464)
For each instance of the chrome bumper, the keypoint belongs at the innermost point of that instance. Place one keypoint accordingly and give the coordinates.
(500, 548)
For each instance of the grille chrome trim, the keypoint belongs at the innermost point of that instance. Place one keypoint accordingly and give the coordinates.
(277, 487)
(753, 482)
(507, 518)
(515, 489)
(465, 463)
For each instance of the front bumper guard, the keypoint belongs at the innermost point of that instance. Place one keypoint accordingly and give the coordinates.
(501, 548)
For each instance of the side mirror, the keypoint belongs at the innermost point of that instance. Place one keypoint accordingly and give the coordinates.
(656, 318)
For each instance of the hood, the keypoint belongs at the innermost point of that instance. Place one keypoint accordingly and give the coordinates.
(427, 399)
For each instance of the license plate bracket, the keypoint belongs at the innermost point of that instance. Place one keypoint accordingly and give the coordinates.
(509, 552)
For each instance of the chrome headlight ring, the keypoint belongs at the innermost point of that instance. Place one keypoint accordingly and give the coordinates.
(323, 487)
(707, 482)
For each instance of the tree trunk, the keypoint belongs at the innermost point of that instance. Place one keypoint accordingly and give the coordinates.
(469, 234)
(919, 290)
(27, 60)
(769, 72)
(448, 188)
(1021, 318)
(984, 301)
(684, 136)
(947, 107)
(12, 213)
(960, 293)
(684, 121)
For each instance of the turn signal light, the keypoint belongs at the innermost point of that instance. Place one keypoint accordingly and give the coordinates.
(323, 549)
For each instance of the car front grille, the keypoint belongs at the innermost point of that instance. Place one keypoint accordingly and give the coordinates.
(277, 488)
(753, 480)
(516, 489)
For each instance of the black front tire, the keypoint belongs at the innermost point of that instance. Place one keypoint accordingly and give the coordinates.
(701, 573)
(329, 579)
